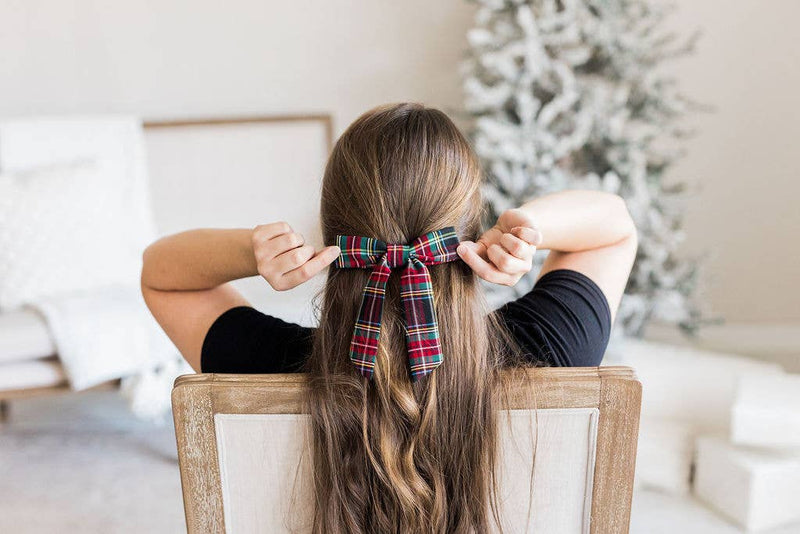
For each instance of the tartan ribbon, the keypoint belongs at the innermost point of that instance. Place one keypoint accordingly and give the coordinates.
(416, 293)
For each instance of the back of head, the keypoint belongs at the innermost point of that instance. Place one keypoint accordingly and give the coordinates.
(392, 455)
(398, 172)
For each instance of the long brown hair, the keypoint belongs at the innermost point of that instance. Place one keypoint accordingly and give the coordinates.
(390, 455)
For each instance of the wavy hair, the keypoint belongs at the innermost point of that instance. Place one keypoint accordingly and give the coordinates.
(390, 455)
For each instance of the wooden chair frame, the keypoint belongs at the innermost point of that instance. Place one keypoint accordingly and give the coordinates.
(614, 391)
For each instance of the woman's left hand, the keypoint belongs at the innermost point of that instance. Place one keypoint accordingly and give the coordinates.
(504, 253)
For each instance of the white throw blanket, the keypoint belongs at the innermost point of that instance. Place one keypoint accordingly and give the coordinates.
(107, 334)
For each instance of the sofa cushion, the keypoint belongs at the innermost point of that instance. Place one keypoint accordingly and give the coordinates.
(687, 384)
(31, 374)
(63, 230)
(24, 336)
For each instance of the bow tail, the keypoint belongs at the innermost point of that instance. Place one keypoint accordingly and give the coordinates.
(364, 344)
(422, 331)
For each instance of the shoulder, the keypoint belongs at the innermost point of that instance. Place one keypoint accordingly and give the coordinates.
(245, 340)
(565, 320)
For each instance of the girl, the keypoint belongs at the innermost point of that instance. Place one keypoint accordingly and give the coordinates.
(402, 400)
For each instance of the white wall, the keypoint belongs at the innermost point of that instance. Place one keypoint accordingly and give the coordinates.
(177, 58)
(170, 58)
(745, 157)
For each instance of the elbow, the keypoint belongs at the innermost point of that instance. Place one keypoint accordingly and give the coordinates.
(624, 222)
(148, 261)
(628, 234)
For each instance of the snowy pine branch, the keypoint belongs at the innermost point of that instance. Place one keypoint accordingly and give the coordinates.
(569, 94)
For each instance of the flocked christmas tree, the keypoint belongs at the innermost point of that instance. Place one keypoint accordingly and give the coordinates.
(569, 94)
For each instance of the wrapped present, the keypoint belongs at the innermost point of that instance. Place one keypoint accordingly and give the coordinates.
(757, 488)
(766, 412)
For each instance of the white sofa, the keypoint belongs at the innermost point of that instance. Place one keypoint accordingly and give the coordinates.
(277, 159)
(28, 358)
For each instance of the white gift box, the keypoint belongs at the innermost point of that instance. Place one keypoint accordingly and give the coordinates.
(664, 456)
(686, 392)
(767, 412)
(757, 488)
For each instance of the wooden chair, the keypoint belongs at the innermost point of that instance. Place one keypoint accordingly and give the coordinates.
(244, 457)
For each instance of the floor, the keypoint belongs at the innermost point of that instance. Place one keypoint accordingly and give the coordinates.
(82, 464)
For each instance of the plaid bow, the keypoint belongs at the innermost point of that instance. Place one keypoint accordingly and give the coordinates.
(422, 332)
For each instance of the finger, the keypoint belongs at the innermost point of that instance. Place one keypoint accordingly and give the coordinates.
(479, 248)
(309, 269)
(506, 262)
(279, 245)
(268, 231)
(531, 235)
(481, 267)
(517, 247)
(291, 259)
(515, 217)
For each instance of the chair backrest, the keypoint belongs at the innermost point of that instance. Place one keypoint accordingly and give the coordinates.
(243, 452)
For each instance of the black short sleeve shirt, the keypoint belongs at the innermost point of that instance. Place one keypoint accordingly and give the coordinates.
(563, 321)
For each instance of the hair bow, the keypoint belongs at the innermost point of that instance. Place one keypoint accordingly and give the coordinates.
(422, 331)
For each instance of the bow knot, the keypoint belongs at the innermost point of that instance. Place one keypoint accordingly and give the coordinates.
(422, 330)
(398, 255)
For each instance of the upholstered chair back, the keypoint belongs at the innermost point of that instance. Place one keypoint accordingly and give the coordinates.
(566, 464)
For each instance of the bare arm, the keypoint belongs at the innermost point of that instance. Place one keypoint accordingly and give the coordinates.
(185, 276)
(586, 231)
(590, 232)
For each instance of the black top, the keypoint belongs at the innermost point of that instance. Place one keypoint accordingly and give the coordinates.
(563, 321)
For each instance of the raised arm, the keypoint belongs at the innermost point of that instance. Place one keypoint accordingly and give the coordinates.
(586, 231)
(590, 232)
(185, 276)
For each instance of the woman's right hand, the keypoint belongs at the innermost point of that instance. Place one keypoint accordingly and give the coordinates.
(284, 259)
